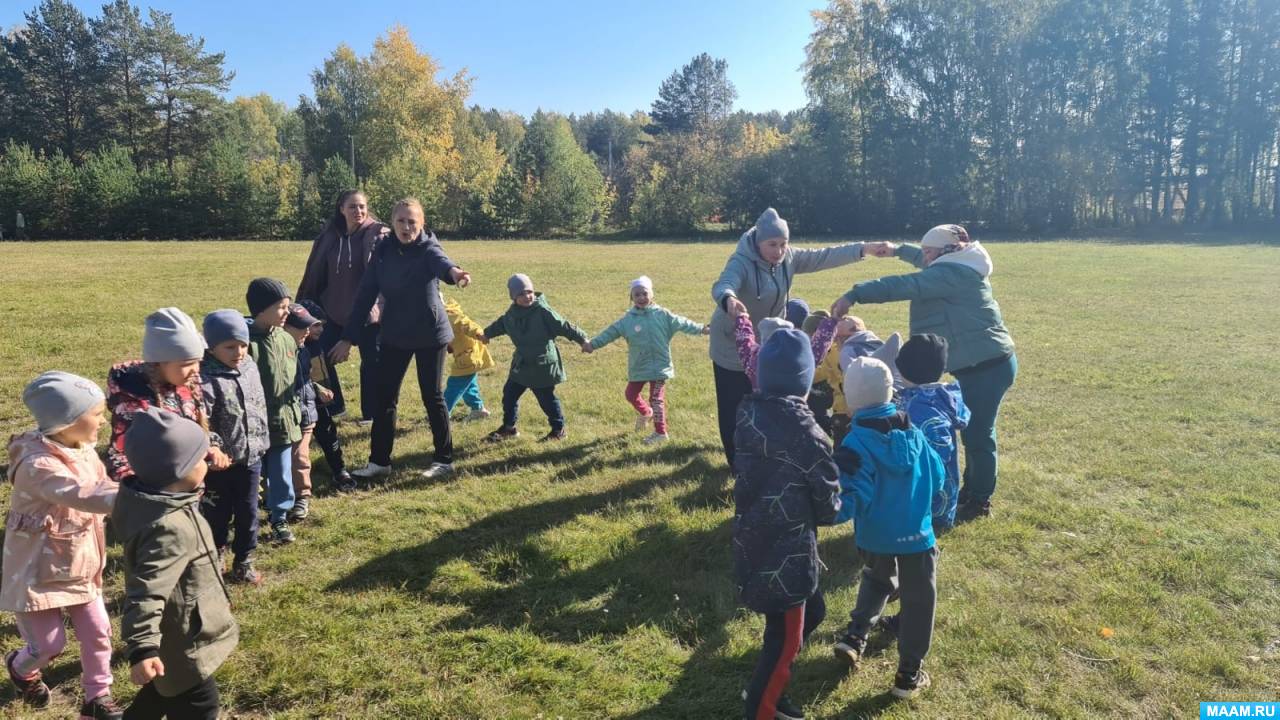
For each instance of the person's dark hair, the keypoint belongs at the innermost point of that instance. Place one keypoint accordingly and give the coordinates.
(339, 221)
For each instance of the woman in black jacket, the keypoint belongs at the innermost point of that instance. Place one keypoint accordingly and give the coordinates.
(406, 273)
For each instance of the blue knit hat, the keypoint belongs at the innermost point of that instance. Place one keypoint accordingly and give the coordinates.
(785, 364)
(223, 325)
(797, 311)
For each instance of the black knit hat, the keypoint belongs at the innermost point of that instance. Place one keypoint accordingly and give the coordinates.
(263, 293)
(923, 359)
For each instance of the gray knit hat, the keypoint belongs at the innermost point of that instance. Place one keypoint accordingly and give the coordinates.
(169, 334)
(163, 447)
(223, 325)
(517, 284)
(56, 399)
(771, 325)
(770, 225)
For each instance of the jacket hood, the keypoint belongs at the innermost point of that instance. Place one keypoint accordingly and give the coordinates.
(538, 301)
(646, 310)
(423, 240)
(894, 449)
(138, 507)
(27, 445)
(213, 366)
(973, 256)
(452, 308)
(131, 377)
(790, 403)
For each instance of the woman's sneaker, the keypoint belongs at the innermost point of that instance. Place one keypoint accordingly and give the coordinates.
(300, 510)
(32, 690)
(908, 685)
(643, 421)
(502, 433)
(372, 471)
(101, 708)
(850, 648)
(437, 470)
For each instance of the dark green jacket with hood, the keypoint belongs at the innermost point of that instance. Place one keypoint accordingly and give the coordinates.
(533, 330)
(176, 604)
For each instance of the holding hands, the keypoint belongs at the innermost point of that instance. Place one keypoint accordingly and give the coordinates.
(461, 277)
(144, 671)
(879, 249)
(586, 347)
(735, 307)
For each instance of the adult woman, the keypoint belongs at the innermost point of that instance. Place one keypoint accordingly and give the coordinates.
(757, 280)
(405, 271)
(334, 269)
(951, 297)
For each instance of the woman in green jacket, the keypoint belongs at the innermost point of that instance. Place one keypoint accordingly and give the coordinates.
(951, 296)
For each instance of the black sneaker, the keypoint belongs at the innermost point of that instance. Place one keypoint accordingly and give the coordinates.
(554, 435)
(784, 709)
(888, 624)
(300, 510)
(33, 691)
(244, 573)
(973, 510)
(850, 648)
(344, 482)
(908, 685)
(281, 533)
(502, 433)
(101, 708)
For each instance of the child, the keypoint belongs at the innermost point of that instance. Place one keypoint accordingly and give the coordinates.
(648, 330)
(176, 617)
(889, 477)
(236, 407)
(748, 347)
(938, 410)
(168, 377)
(277, 357)
(303, 326)
(470, 356)
(54, 545)
(536, 364)
(784, 488)
(852, 340)
(329, 403)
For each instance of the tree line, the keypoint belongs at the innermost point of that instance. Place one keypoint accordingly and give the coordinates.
(1017, 115)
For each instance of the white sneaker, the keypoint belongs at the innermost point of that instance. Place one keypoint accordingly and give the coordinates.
(372, 470)
(656, 438)
(643, 421)
(479, 414)
(437, 470)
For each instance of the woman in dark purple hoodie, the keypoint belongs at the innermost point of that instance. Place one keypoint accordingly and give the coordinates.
(339, 256)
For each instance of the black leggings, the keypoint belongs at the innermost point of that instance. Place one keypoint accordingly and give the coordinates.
(393, 363)
(731, 387)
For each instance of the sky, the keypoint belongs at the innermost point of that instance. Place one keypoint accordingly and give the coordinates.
(570, 56)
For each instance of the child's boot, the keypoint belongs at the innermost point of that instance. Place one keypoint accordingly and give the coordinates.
(502, 433)
(101, 708)
(244, 572)
(300, 510)
(31, 689)
(849, 648)
(281, 533)
(908, 685)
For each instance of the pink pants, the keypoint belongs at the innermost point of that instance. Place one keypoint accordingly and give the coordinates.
(46, 637)
(657, 405)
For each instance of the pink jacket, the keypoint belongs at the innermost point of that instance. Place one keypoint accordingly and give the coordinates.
(54, 545)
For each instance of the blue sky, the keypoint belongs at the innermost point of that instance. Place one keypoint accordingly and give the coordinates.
(569, 56)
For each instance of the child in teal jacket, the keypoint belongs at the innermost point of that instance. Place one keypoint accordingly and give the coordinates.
(648, 330)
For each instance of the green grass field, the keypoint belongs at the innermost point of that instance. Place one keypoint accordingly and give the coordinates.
(592, 579)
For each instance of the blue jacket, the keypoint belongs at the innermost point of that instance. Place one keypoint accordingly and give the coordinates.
(939, 411)
(889, 477)
(784, 488)
(407, 277)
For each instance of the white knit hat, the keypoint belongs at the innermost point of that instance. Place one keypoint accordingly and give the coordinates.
(944, 235)
(867, 382)
(644, 282)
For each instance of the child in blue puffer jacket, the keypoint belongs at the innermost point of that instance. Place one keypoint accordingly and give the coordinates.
(938, 410)
(889, 477)
(784, 488)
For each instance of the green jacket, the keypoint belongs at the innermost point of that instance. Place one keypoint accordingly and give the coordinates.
(952, 298)
(276, 355)
(176, 606)
(648, 332)
(533, 330)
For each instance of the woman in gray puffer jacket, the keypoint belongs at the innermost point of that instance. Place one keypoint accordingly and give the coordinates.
(757, 280)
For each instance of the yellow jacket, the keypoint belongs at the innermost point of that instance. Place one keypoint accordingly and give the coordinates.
(829, 371)
(470, 356)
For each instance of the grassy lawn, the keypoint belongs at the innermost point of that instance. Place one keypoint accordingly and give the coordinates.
(592, 579)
